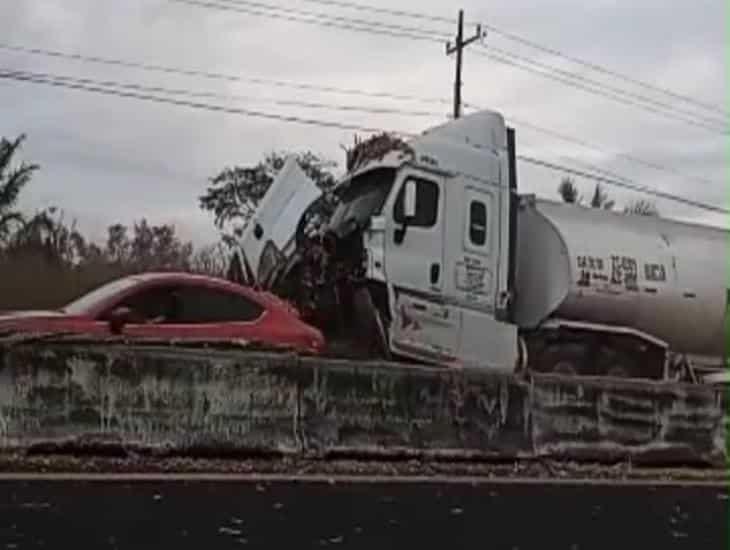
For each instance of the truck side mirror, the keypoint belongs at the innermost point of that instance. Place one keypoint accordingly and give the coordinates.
(409, 200)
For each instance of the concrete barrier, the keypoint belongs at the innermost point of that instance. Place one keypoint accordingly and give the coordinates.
(170, 400)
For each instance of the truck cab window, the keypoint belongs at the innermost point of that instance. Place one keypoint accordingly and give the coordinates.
(478, 223)
(362, 198)
(427, 201)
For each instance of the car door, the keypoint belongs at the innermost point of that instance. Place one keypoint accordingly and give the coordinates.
(424, 325)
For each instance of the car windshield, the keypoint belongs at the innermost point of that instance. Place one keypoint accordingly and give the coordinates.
(362, 198)
(89, 301)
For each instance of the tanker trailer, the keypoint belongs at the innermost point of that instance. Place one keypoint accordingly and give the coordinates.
(601, 292)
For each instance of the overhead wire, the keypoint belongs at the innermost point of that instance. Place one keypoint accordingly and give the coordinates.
(598, 91)
(625, 183)
(237, 97)
(397, 31)
(38, 78)
(26, 76)
(604, 150)
(164, 69)
(529, 43)
(218, 75)
(257, 4)
(382, 30)
(581, 78)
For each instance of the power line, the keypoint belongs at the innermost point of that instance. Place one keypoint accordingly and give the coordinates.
(592, 146)
(600, 84)
(25, 76)
(626, 184)
(320, 15)
(408, 33)
(62, 83)
(530, 43)
(216, 95)
(218, 76)
(56, 54)
(598, 91)
(609, 72)
(320, 21)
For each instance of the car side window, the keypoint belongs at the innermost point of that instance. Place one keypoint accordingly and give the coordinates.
(209, 305)
(151, 303)
(427, 202)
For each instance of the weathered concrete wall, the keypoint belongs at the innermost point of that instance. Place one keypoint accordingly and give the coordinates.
(166, 399)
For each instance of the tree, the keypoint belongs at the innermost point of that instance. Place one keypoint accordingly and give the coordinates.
(233, 194)
(641, 207)
(12, 181)
(149, 247)
(210, 260)
(569, 193)
(47, 235)
(600, 199)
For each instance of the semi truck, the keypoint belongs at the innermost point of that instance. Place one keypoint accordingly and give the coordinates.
(434, 254)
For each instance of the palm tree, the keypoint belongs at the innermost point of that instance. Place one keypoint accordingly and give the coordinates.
(12, 181)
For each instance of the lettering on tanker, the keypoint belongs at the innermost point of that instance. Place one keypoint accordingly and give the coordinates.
(624, 271)
(590, 268)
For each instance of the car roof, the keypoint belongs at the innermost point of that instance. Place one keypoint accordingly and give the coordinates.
(186, 277)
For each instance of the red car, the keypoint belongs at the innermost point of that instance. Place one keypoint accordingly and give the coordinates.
(175, 306)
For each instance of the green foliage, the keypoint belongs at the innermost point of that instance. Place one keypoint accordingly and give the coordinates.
(569, 193)
(12, 181)
(600, 199)
(234, 193)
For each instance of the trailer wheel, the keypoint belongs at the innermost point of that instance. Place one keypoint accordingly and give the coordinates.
(562, 359)
(620, 366)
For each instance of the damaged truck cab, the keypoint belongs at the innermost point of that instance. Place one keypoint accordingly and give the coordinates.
(426, 228)
(437, 240)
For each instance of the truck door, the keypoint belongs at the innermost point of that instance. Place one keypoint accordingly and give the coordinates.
(424, 326)
(480, 277)
(269, 237)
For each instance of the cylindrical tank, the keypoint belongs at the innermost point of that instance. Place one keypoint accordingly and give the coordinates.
(666, 278)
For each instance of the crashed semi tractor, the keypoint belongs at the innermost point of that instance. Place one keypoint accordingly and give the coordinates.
(433, 252)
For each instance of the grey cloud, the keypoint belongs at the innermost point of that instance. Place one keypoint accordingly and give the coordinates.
(106, 159)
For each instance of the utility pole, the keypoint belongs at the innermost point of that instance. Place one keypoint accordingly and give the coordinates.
(459, 48)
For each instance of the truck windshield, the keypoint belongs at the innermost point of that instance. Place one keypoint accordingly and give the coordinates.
(362, 198)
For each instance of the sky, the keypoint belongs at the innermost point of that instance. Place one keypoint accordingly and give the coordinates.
(108, 159)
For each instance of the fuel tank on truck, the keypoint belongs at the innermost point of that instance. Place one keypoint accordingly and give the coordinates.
(666, 278)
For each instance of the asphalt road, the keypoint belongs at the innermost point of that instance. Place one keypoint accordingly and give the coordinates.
(204, 513)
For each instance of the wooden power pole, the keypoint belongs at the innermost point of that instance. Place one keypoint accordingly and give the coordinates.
(459, 48)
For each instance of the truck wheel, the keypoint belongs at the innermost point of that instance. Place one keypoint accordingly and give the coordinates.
(561, 359)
